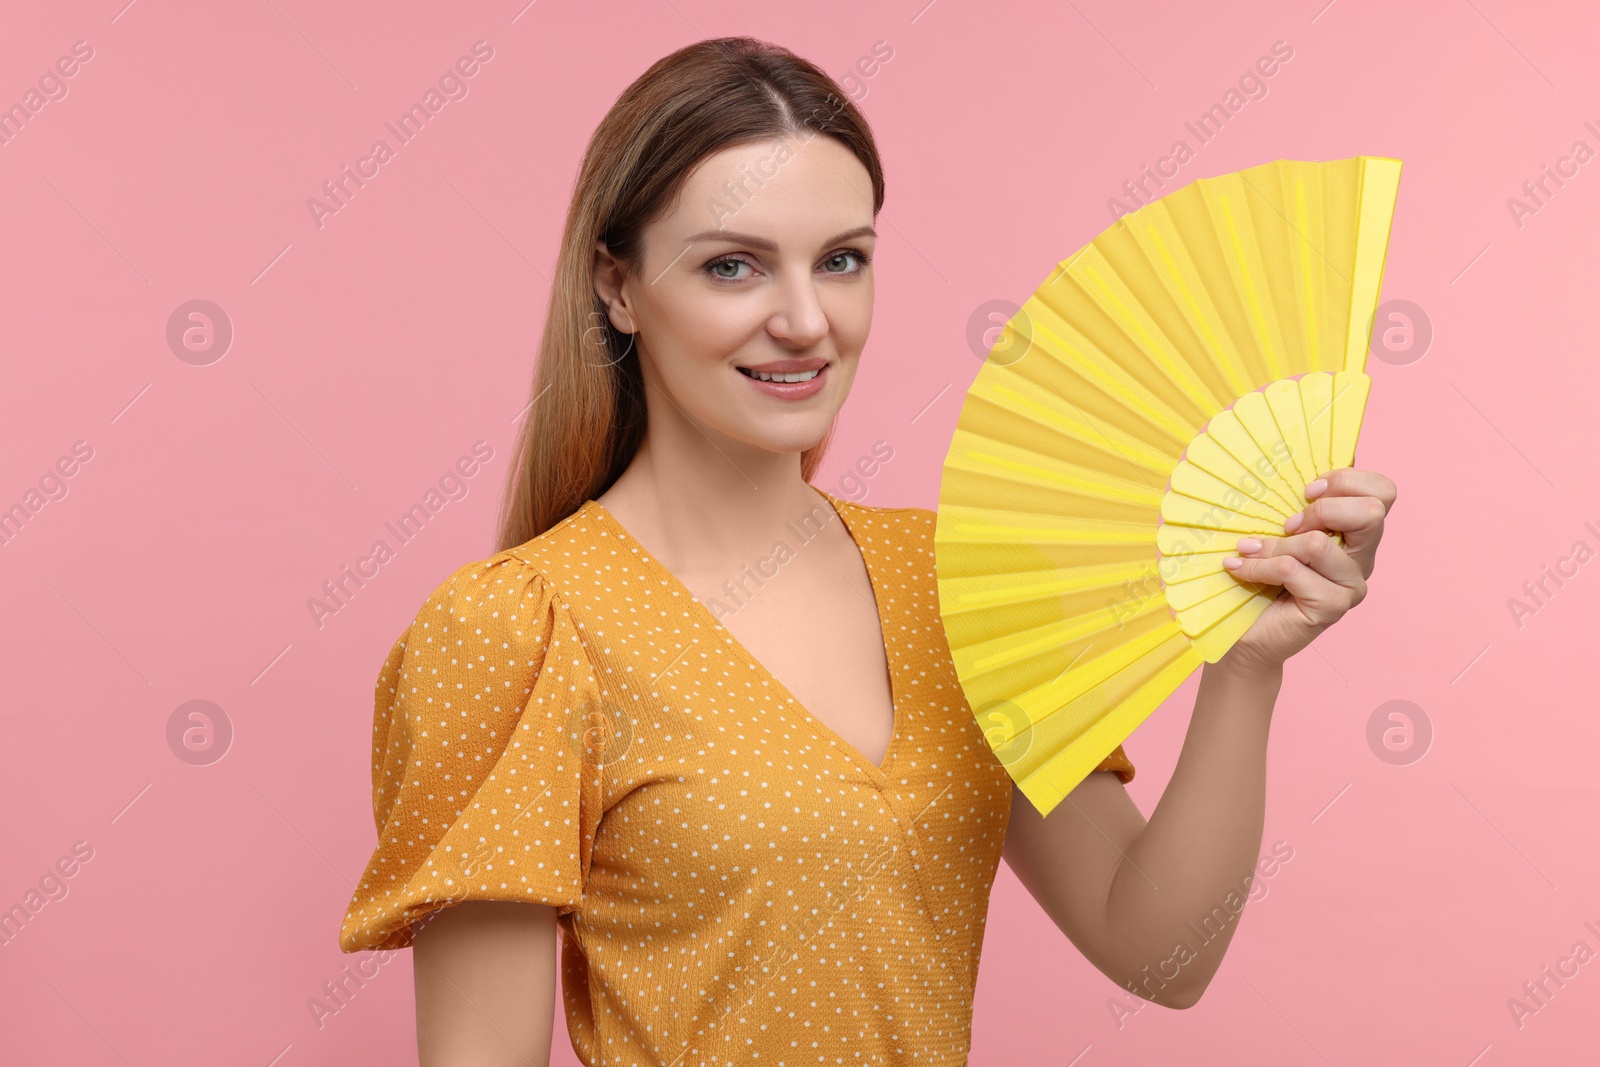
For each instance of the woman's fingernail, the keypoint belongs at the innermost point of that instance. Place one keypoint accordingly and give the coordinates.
(1292, 523)
(1249, 544)
(1232, 562)
(1316, 487)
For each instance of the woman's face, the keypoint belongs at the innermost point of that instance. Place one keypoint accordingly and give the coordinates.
(762, 266)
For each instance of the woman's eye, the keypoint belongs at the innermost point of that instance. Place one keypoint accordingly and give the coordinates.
(859, 257)
(714, 268)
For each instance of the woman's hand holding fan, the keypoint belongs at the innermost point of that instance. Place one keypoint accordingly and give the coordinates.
(1321, 579)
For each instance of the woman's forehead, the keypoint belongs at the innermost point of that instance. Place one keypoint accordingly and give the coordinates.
(785, 189)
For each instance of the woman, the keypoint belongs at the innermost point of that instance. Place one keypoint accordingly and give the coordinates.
(715, 735)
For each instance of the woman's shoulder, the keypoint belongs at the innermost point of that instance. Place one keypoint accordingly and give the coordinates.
(901, 527)
(479, 709)
(524, 581)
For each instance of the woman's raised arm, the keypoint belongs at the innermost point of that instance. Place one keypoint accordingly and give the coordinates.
(1154, 905)
(1131, 895)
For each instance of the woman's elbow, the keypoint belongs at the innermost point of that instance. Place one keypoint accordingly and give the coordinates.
(1185, 996)
(1165, 992)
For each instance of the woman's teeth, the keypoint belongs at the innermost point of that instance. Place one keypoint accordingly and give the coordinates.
(797, 376)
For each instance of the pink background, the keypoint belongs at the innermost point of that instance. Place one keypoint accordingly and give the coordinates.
(372, 352)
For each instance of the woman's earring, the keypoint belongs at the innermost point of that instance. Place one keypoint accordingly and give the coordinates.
(599, 336)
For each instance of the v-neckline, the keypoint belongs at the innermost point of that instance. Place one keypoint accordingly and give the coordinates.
(878, 772)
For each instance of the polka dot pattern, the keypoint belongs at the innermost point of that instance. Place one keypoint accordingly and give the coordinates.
(564, 723)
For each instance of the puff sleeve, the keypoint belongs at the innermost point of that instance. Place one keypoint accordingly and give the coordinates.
(1119, 763)
(480, 786)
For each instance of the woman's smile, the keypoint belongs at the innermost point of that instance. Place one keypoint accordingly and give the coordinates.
(787, 379)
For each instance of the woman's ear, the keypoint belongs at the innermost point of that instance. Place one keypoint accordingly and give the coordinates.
(608, 278)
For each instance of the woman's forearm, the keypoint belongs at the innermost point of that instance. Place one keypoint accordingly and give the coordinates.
(1177, 895)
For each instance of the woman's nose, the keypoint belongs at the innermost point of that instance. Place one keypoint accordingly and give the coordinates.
(799, 317)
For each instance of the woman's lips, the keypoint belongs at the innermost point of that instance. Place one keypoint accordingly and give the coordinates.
(789, 390)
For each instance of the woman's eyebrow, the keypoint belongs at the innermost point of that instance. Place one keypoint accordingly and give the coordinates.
(771, 246)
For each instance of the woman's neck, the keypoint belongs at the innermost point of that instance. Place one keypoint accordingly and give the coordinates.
(699, 506)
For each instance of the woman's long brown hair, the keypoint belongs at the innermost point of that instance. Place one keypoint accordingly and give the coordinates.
(588, 413)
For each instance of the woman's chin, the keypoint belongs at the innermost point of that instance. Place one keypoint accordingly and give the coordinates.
(795, 438)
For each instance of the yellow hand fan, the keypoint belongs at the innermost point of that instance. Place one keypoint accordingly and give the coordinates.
(1171, 387)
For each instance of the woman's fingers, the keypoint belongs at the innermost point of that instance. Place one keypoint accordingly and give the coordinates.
(1314, 548)
(1353, 481)
(1321, 575)
(1323, 580)
(1354, 503)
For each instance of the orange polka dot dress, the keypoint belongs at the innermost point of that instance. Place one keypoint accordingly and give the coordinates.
(564, 723)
